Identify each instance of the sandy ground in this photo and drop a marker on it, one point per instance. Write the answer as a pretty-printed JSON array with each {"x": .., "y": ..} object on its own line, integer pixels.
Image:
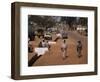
[{"x": 54, "y": 56}]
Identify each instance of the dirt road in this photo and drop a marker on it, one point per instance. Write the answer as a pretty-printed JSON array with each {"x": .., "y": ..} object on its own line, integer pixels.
[{"x": 54, "y": 57}]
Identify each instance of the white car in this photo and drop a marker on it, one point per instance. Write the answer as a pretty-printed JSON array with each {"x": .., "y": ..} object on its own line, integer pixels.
[{"x": 48, "y": 36}]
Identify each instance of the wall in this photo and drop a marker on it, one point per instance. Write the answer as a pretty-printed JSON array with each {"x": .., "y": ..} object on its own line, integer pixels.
[{"x": 5, "y": 39}]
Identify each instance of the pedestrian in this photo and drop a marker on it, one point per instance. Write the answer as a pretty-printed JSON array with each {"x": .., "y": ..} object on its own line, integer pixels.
[
  {"x": 64, "y": 49},
  {"x": 43, "y": 43},
  {"x": 79, "y": 48},
  {"x": 48, "y": 46},
  {"x": 40, "y": 44},
  {"x": 30, "y": 47}
]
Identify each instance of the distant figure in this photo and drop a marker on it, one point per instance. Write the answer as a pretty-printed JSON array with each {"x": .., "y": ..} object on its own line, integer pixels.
[
  {"x": 79, "y": 48},
  {"x": 48, "y": 45},
  {"x": 30, "y": 47},
  {"x": 64, "y": 49},
  {"x": 43, "y": 43},
  {"x": 40, "y": 44}
]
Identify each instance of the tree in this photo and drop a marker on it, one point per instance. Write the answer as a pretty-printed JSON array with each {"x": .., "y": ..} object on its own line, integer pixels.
[{"x": 42, "y": 21}]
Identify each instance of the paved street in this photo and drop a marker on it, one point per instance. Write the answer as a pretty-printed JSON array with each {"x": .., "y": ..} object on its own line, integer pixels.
[{"x": 54, "y": 56}]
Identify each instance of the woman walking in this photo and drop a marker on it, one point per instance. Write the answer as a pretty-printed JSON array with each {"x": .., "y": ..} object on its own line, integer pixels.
[
  {"x": 64, "y": 49},
  {"x": 79, "y": 49}
]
